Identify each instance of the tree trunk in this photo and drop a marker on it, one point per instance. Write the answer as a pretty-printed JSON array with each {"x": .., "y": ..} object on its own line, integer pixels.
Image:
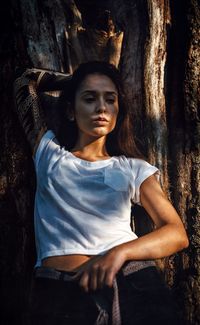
[
  {"x": 184, "y": 135},
  {"x": 156, "y": 46}
]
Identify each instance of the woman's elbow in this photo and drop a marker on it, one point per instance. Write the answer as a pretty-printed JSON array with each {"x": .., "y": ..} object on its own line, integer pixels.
[
  {"x": 182, "y": 239},
  {"x": 185, "y": 242}
]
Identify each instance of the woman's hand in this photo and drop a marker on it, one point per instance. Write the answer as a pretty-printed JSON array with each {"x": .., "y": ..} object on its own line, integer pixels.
[{"x": 100, "y": 271}]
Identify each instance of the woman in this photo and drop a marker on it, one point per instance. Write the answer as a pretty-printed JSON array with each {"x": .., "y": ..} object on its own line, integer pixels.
[{"x": 91, "y": 268}]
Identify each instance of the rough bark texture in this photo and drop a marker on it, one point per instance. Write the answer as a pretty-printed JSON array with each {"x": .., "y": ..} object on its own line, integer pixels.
[
  {"x": 182, "y": 93},
  {"x": 155, "y": 60},
  {"x": 156, "y": 45}
]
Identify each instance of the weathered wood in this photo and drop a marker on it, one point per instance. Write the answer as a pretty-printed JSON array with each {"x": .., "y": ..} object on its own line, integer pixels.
[
  {"x": 190, "y": 178},
  {"x": 154, "y": 78},
  {"x": 182, "y": 270},
  {"x": 131, "y": 18},
  {"x": 43, "y": 27},
  {"x": 92, "y": 43},
  {"x": 159, "y": 61}
]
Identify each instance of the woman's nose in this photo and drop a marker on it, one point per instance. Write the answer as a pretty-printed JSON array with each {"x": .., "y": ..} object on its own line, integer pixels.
[{"x": 101, "y": 106}]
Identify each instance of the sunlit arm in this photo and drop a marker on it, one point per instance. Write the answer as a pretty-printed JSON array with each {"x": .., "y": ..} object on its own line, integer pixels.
[{"x": 169, "y": 236}]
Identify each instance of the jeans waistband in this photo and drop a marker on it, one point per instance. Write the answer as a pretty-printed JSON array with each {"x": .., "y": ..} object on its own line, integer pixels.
[{"x": 51, "y": 273}]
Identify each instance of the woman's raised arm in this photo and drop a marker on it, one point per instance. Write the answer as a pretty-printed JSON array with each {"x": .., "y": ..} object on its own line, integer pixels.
[{"x": 28, "y": 105}]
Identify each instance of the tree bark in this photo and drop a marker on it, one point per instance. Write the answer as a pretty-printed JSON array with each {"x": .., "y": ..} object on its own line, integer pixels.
[
  {"x": 184, "y": 133},
  {"x": 156, "y": 46}
]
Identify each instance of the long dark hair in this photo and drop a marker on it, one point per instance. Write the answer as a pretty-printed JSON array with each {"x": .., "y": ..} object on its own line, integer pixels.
[{"x": 121, "y": 140}]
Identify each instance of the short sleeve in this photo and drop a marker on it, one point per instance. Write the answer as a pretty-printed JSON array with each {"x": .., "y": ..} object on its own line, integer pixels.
[{"x": 141, "y": 170}]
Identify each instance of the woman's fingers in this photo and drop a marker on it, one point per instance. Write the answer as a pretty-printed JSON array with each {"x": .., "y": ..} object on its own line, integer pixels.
[
  {"x": 101, "y": 278},
  {"x": 100, "y": 272},
  {"x": 93, "y": 278},
  {"x": 96, "y": 279},
  {"x": 84, "y": 280},
  {"x": 109, "y": 278}
]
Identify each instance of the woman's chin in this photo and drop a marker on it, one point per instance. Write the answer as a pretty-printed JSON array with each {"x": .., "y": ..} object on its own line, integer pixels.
[
  {"x": 101, "y": 131},
  {"x": 96, "y": 132}
]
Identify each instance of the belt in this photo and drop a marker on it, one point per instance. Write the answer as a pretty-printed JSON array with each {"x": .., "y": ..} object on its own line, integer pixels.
[{"x": 51, "y": 273}]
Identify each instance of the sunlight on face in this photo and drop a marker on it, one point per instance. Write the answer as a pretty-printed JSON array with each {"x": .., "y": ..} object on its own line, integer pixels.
[{"x": 96, "y": 106}]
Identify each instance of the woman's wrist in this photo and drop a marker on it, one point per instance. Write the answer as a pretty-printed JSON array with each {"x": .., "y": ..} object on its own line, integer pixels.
[
  {"x": 52, "y": 81},
  {"x": 46, "y": 80},
  {"x": 121, "y": 251}
]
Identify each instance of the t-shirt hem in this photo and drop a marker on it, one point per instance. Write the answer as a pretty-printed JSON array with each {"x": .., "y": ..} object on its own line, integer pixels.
[
  {"x": 73, "y": 251},
  {"x": 69, "y": 252}
]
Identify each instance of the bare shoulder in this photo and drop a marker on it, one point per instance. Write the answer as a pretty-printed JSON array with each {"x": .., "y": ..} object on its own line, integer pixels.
[
  {"x": 157, "y": 204},
  {"x": 151, "y": 184}
]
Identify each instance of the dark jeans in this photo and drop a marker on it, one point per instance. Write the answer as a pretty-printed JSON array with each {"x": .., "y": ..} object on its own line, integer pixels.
[
  {"x": 143, "y": 296},
  {"x": 149, "y": 299}
]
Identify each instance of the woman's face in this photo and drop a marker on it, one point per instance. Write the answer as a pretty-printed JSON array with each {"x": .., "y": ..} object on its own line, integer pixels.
[{"x": 96, "y": 106}]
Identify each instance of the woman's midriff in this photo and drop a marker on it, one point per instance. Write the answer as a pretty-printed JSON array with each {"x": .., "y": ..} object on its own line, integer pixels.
[{"x": 68, "y": 262}]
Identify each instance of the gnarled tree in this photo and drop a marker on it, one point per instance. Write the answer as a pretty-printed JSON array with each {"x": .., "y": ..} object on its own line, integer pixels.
[{"x": 156, "y": 46}]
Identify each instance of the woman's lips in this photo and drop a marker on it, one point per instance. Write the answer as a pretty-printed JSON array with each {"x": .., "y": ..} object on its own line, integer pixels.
[
  {"x": 103, "y": 119},
  {"x": 100, "y": 122}
]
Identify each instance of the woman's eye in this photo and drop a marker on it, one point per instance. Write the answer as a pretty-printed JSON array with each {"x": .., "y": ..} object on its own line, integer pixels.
[
  {"x": 110, "y": 100},
  {"x": 89, "y": 99}
]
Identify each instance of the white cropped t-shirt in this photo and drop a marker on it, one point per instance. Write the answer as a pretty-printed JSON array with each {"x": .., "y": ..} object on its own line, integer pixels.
[{"x": 83, "y": 207}]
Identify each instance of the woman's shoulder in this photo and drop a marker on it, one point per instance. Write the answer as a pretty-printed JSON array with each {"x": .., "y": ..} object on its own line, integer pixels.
[
  {"x": 131, "y": 161},
  {"x": 49, "y": 134},
  {"x": 47, "y": 146},
  {"x": 135, "y": 165},
  {"x": 46, "y": 137}
]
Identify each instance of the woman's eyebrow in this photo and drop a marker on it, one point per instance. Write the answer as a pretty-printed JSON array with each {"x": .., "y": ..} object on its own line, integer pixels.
[{"x": 94, "y": 92}]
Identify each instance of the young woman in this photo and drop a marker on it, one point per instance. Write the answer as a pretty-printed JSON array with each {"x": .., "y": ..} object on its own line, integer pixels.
[{"x": 91, "y": 267}]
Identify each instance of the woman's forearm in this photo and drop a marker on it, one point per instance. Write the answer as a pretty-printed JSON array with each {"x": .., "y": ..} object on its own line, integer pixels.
[
  {"x": 169, "y": 236},
  {"x": 162, "y": 242},
  {"x": 102, "y": 270},
  {"x": 46, "y": 80},
  {"x": 51, "y": 80},
  {"x": 28, "y": 106}
]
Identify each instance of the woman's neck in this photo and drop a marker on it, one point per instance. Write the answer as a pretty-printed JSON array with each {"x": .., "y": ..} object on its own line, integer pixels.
[{"x": 91, "y": 150}]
